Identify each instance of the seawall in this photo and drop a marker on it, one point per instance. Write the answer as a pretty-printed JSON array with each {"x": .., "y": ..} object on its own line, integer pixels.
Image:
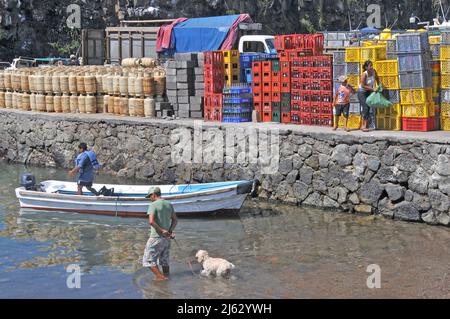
[{"x": 401, "y": 175}]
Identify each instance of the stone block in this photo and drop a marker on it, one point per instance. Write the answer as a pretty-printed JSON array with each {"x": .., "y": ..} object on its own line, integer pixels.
[
  {"x": 185, "y": 57},
  {"x": 183, "y": 107},
  {"x": 199, "y": 71},
  {"x": 196, "y": 114},
  {"x": 183, "y": 99},
  {"x": 189, "y": 71},
  {"x": 171, "y": 79},
  {"x": 171, "y": 93},
  {"x": 171, "y": 71},
  {"x": 200, "y": 86},
  {"x": 172, "y": 64},
  {"x": 186, "y": 64},
  {"x": 171, "y": 85},
  {"x": 185, "y": 78},
  {"x": 183, "y": 113}
]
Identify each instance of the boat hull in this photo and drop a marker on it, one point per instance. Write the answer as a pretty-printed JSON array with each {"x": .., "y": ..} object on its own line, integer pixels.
[{"x": 227, "y": 199}]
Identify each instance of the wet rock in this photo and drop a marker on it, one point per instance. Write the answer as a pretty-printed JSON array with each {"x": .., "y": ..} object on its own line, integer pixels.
[
  {"x": 442, "y": 166},
  {"x": 371, "y": 192},
  {"x": 313, "y": 200},
  {"x": 395, "y": 192},
  {"x": 363, "y": 209},
  {"x": 339, "y": 194},
  {"x": 439, "y": 201},
  {"x": 306, "y": 175},
  {"x": 330, "y": 203},
  {"x": 292, "y": 177},
  {"x": 301, "y": 191},
  {"x": 342, "y": 155},
  {"x": 406, "y": 211},
  {"x": 418, "y": 181}
]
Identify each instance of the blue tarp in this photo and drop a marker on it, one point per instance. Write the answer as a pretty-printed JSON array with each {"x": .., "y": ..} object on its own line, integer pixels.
[{"x": 202, "y": 34}]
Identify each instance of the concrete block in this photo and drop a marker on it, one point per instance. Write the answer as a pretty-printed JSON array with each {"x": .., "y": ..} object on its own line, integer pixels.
[
  {"x": 171, "y": 85},
  {"x": 186, "y": 64},
  {"x": 167, "y": 113},
  {"x": 171, "y": 79},
  {"x": 199, "y": 92},
  {"x": 199, "y": 85},
  {"x": 189, "y": 71},
  {"x": 172, "y": 64},
  {"x": 172, "y": 99},
  {"x": 185, "y": 78},
  {"x": 183, "y": 92},
  {"x": 160, "y": 99},
  {"x": 196, "y": 114},
  {"x": 171, "y": 71},
  {"x": 199, "y": 71},
  {"x": 185, "y": 56},
  {"x": 184, "y": 86},
  {"x": 184, "y": 114},
  {"x": 183, "y": 107},
  {"x": 199, "y": 78},
  {"x": 171, "y": 93},
  {"x": 183, "y": 99}
]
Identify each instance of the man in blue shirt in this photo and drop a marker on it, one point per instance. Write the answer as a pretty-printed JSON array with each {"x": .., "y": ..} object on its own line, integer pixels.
[{"x": 83, "y": 165}]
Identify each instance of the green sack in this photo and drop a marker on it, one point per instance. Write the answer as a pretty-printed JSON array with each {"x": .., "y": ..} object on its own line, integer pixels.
[{"x": 377, "y": 100}]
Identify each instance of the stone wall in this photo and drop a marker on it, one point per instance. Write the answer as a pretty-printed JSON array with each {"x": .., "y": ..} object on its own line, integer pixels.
[{"x": 401, "y": 176}]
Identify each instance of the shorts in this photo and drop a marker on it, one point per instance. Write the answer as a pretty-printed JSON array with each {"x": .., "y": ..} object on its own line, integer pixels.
[
  {"x": 365, "y": 109},
  {"x": 156, "y": 252},
  {"x": 343, "y": 109},
  {"x": 85, "y": 184}
]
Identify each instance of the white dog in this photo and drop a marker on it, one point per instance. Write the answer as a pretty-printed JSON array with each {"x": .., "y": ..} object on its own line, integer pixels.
[{"x": 213, "y": 266}]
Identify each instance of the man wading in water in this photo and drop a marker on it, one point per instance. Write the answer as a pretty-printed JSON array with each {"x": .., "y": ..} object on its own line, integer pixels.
[
  {"x": 163, "y": 221},
  {"x": 85, "y": 164}
]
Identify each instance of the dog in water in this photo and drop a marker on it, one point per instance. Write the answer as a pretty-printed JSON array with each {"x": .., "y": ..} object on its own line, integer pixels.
[{"x": 213, "y": 266}]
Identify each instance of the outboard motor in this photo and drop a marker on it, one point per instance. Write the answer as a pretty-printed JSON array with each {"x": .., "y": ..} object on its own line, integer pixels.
[{"x": 28, "y": 181}]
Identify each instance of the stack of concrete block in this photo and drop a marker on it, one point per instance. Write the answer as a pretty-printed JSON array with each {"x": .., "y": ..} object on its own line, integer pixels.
[{"x": 185, "y": 87}]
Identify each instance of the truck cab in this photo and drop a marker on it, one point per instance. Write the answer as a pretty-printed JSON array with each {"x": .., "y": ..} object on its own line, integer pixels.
[{"x": 257, "y": 44}]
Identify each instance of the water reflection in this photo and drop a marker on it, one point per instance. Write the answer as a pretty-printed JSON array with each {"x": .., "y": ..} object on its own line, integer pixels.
[{"x": 281, "y": 251}]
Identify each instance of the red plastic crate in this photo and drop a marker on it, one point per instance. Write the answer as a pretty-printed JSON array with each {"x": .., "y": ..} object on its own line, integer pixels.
[
  {"x": 284, "y": 56},
  {"x": 295, "y": 117},
  {"x": 257, "y": 87},
  {"x": 213, "y": 100},
  {"x": 266, "y": 116},
  {"x": 418, "y": 124},
  {"x": 276, "y": 76},
  {"x": 286, "y": 117},
  {"x": 276, "y": 87},
  {"x": 326, "y": 85},
  {"x": 315, "y": 108},
  {"x": 295, "y": 95},
  {"x": 305, "y": 84},
  {"x": 213, "y": 58},
  {"x": 305, "y": 119},
  {"x": 326, "y": 119},
  {"x": 267, "y": 66},
  {"x": 267, "y": 77},
  {"x": 305, "y": 106},
  {"x": 257, "y": 106},
  {"x": 267, "y": 86},
  {"x": 276, "y": 96},
  {"x": 213, "y": 114},
  {"x": 323, "y": 61},
  {"x": 315, "y": 85},
  {"x": 267, "y": 96},
  {"x": 257, "y": 97},
  {"x": 326, "y": 108},
  {"x": 326, "y": 96},
  {"x": 256, "y": 71},
  {"x": 285, "y": 87},
  {"x": 267, "y": 106}
]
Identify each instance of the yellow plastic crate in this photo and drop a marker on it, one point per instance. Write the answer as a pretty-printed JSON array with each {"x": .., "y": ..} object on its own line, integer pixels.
[
  {"x": 435, "y": 39},
  {"x": 390, "y": 82},
  {"x": 445, "y": 109},
  {"x": 231, "y": 56},
  {"x": 416, "y": 96},
  {"x": 368, "y": 43},
  {"x": 445, "y": 67},
  {"x": 390, "y": 123},
  {"x": 353, "y": 80},
  {"x": 373, "y": 53},
  {"x": 445, "y": 81},
  {"x": 418, "y": 110},
  {"x": 394, "y": 111},
  {"x": 354, "y": 122},
  {"x": 445, "y": 123},
  {"x": 387, "y": 67},
  {"x": 353, "y": 54},
  {"x": 445, "y": 52}
]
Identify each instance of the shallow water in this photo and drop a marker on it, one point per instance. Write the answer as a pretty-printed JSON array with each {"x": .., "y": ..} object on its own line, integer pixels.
[{"x": 280, "y": 252}]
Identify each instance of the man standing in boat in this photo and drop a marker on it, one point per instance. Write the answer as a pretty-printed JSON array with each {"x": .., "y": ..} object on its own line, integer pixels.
[
  {"x": 85, "y": 164},
  {"x": 163, "y": 220}
]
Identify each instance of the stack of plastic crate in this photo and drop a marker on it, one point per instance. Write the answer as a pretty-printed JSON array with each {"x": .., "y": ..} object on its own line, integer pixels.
[
  {"x": 246, "y": 60},
  {"x": 389, "y": 119},
  {"x": 312, "y": 90},
  {"x": 214, "y": 83},
  {"x": 445, "y": 82},
  {"x": 267, "y": 90},
  {"x": 232, "y": 69},
  {"x": 414, "y": 56},
  {"x": 237, "y": 103}
]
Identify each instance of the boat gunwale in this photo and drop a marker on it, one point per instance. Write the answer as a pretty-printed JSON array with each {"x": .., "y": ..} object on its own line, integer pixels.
[{"x": 23, "y": 192}]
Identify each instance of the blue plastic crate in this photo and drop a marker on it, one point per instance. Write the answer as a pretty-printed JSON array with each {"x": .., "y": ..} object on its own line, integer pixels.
[
  {"x": 236, "y": 110},
  {"x": 237, "y": 100},
  {"x": 247, "y": 59},
  {"x": 238, "y": 90},
  {"x": 236, "y": 119}
]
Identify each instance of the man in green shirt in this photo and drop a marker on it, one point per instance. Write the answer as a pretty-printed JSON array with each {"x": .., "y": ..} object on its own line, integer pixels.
[{"x": 163, "y": 220}]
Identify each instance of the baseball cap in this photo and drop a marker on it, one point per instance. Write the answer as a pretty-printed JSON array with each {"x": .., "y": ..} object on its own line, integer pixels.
[
  {"x": 342, "y": 78},
  {"x": 154, "y": 190}
]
